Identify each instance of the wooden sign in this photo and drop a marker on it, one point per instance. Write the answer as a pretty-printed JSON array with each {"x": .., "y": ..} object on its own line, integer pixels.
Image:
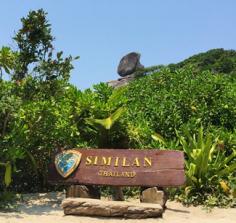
[{"x": 121, "y": 167}]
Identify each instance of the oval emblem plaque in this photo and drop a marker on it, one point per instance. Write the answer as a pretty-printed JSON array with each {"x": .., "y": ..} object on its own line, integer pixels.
[{"x": 67, "y": 161}]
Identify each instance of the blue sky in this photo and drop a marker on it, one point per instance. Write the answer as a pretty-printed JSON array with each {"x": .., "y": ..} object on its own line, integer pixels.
[{"x": 102, "y": 31}]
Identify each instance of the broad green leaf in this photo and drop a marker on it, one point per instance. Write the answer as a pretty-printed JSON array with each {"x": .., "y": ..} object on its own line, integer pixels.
[
  {"x": 229, "y": 158},
  {"x": 107, "y": 123},
  {"x": 116, "y": 115},
  {"x": 8, "y": 173},
  {"x": 226, "y": 171},
  {"x": 157, "y": 137}
]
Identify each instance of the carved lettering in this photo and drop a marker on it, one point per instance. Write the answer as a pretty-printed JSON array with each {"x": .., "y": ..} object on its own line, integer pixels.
[
  {"x": 95, "y": 161},
  {"x": 106, "y": 173},
  {"x": 116, "y": 161},
  {"x": 147, "y": 161},
  {"x": 120, "y": 167},
  {"x": 106, "y": 161},
  {"x": 124, "y": 162},
  {"x": 88, "y": 160},
  {"x": 136, "y": 162}
]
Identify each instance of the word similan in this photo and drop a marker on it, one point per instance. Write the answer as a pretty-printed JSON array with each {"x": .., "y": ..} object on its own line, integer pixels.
[{"x": 118, "y": 161}]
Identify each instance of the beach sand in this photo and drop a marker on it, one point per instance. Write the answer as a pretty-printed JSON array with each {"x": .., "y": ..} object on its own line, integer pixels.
[{"x": 45, "y": 208}]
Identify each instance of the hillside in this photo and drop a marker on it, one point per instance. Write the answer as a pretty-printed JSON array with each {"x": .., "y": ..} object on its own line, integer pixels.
[{"x": 215, "y": 60}]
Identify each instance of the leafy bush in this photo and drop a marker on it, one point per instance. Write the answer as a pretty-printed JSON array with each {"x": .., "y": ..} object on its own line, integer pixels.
[
  {"x": 169, "y": 100},
  {"x": 209, "y": 172},
  {"x": 35, "y": 113},
  {"x": 99, "y": 104},
  {"x": 215, "y": 60}
]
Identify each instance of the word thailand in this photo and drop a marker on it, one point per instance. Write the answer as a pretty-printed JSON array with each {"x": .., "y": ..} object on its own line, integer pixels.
[
  {"x": 118, "y": 161},
  {"x": 108, "y": 173}
]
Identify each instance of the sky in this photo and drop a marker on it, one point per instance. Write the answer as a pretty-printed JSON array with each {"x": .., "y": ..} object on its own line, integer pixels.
[{"x": 101, "y": 32}]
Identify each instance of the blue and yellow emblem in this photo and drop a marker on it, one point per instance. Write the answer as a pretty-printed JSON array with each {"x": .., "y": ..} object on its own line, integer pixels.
[{"x": 67, "y": 161}]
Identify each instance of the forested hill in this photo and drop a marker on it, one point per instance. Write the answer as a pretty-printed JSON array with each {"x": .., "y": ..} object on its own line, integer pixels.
[{"x": 215, "y": 60}]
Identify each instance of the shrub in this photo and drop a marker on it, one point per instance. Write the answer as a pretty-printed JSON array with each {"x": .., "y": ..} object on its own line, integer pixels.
[
  {"x": 209, "y": 172},
  {"x": 168, "y": 100}
]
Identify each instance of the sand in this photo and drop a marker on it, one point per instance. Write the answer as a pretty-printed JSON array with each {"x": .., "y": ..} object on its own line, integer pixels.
[{"x": 45, "y": 208}]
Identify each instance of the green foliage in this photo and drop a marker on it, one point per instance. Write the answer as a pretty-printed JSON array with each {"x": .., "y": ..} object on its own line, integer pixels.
[
  {"x": 33, "y": 123},
  {"x": 34, "y": 41},
  {"x": 41, "y": 113},
  {"x": 35, "y": 50},
  {"x": 9, "y": 153},
  {"x": 98, "y": 105},
  {"x": 8, "y": 173},
  {"x": 168, "y": 100},
  {"x": 33, "y": 129},
  {"x": 7, "y": 201},
  {"x": 215, "y": 60},
  {"x": 108, "y": 122},
  {"x": 129, "y": 192},
  {"x": 209, "y": 170},
  {"x": 104, "y": 128},
  {"x": 7, "y": 60},
  {"x": 43, "y": 120}
]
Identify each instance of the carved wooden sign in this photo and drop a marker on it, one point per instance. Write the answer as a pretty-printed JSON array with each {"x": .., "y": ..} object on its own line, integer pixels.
[{"x": 118, "y": 167}]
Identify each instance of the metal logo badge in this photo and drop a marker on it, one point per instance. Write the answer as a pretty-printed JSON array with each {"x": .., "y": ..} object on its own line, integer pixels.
[{"x": 67, "y": 161}]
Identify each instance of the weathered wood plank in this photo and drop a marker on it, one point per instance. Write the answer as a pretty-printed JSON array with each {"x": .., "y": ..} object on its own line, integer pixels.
[{"x": 120, "y": 167}]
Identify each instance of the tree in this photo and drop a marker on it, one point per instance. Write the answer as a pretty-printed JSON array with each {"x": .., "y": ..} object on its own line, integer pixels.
[
  {"x": 35, "y": 50},
  {"x": 36, "y": 95}
]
